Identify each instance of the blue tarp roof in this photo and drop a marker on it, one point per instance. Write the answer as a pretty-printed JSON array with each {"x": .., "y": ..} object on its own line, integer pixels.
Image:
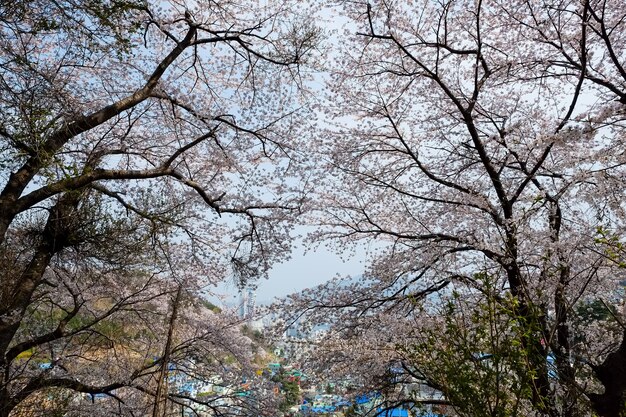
[
  {"x": 394, "y": 412},
  {"x": 323, "y": 409},
  {"x": 362, "y": 399}
]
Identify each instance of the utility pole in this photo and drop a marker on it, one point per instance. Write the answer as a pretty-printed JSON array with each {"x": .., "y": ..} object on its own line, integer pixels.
[{"x": 156, "y": 412}]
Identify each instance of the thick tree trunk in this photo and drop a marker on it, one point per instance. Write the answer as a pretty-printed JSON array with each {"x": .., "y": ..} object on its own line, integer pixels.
[
  {"x": 156, "y": 412},
  {"x": 55, "y": 237},
  {"x": 4, "y": 409},
  {"x": 528, "y": 319},
  {"x": 21, "y": 294},
  {"x": 612, "y": 375}
]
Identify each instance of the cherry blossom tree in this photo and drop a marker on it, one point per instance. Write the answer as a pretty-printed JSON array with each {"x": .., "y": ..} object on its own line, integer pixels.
[
  {"x": 144, "y": 148},
  {"x": 480, "y": 142}
]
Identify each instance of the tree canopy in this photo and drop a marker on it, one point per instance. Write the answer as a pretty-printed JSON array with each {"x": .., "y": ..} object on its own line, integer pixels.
[
  {"x": 145, "y": 148},
  {"x": 482, "y": 142},
  {"x": 150, "y": 150}
]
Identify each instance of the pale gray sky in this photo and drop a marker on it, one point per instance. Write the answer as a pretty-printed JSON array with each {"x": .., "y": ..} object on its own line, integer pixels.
[{"x": 305, "y": 271}]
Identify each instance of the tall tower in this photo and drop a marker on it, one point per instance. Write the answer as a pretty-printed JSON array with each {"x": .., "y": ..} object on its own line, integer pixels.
[
  {"x": 242, "y": 305},
  {"x": 250, "y": 303},
  {"x": 247, "y": 301}
]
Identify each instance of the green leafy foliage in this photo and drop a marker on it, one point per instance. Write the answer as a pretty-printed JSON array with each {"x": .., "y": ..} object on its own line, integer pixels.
[
  {"x": 289, "y": 388},
  {"x": 483, "y": 362}
]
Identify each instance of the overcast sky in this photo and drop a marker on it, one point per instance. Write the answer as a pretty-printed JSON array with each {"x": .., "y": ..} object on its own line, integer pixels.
[{"x": 304, "y": 270}]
